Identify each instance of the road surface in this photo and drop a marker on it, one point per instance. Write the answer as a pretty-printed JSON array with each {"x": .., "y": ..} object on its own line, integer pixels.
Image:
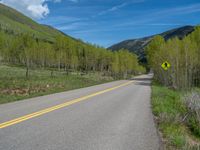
[{"x": 111, "y": 116}]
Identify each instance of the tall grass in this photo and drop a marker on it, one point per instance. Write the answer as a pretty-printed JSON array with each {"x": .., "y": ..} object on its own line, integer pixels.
[
  {"x": 15, "y": 86},
  {"x": 171, "y": 113},
  {"x": 192, "y": 101}
]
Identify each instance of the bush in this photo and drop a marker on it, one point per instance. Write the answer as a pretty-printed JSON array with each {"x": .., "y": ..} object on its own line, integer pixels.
[{"x": 192, "y": 101}]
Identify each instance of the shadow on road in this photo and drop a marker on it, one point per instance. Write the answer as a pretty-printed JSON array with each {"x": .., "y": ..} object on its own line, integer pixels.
[
  {"x": 143, "y": 83},
  {"x": 142, "y": 79}
]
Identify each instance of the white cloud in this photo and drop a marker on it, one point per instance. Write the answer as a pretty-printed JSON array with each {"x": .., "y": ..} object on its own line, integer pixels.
[
  {"x": 114, "y": 8},
  {"x": 74, "y": 26},
  {"x": 57, "y": 1},
  {"x": 75, "y": 1},
  {"x": 117, "y": 7},
  {"x": 36, "y": 9},
  {"x": 148, "y": 18}
]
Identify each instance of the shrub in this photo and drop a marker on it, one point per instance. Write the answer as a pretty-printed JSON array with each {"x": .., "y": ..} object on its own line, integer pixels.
[{"x": 192, "y": 101}]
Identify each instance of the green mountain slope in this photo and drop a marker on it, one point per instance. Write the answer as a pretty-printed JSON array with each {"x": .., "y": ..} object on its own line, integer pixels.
[
  {"x": 15, "y": 22},
  {"x": 138, "y": 45}
]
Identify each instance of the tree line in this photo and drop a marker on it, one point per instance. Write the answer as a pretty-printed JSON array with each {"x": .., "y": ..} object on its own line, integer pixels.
[
  {"x": 66, "y": 54},
  {"x": 183, "y": 56}
]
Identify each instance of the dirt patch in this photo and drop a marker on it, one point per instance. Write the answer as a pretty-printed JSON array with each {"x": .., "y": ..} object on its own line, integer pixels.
[{"x": 23, "y": 91}]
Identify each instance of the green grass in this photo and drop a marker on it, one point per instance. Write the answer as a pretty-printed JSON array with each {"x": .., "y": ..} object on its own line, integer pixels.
[
  {"x": 15, "y": 86},
  {"x": 169, "y": 110},
  {"x": 11, "y": 19},
  {"x": 166, "y": 101}
]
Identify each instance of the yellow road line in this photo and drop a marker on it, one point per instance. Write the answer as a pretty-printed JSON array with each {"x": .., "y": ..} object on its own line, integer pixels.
[{"x": 50, "y": 109}]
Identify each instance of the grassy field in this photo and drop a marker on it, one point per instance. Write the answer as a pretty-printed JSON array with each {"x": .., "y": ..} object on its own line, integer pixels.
[
  {"x": 13, "y": 20},
  {"x": 174, "y": 118},
  {"x": 15, "y": 86}
]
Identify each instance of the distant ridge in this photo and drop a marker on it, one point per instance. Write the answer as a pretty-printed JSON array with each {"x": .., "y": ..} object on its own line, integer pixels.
[{"x": 138, "y": 45}]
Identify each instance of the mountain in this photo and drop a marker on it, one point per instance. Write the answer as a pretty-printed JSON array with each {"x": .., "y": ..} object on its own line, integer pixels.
[
  {"x": 15, "y": 22},
  {"x": 138, "y": 45}
]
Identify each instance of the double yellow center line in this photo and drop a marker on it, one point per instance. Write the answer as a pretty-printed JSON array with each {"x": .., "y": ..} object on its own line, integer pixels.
[{"x": 50, "y": 109}]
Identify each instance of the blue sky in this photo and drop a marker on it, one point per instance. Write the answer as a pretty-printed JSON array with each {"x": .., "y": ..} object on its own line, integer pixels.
[{"x": 106, "y": 22}]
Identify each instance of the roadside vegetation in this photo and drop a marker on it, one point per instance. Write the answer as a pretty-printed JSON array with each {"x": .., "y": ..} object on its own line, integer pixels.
[
  {"x": 15, "y": 86},
  {"x": 182, "y": 54},
  {"x": 175, "y": 92},
  {"x": 36, "y": 67},
  {"x": 176, "y": 114},
  {"x": 66, "y": 54}
]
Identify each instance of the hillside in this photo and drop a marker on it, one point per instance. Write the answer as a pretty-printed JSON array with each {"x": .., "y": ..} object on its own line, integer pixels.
[
  {"x": 138, "y": 45},
  {"x": 25, "y": 42},
  {"x": 15, "y": 22}
]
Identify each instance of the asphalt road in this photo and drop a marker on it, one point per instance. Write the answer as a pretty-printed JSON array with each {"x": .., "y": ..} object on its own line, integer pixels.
[{"x": 111, "y": 116}]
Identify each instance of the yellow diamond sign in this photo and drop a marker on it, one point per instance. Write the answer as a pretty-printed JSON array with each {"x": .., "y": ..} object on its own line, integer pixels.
[{"x": 166, "y": 65}]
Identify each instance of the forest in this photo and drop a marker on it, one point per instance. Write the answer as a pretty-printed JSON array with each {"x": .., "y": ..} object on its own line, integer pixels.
[
  {"x": 66, "y": 54},
  {"x": 175, "y": 91},
  {"x": 184, "y": 57}
]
